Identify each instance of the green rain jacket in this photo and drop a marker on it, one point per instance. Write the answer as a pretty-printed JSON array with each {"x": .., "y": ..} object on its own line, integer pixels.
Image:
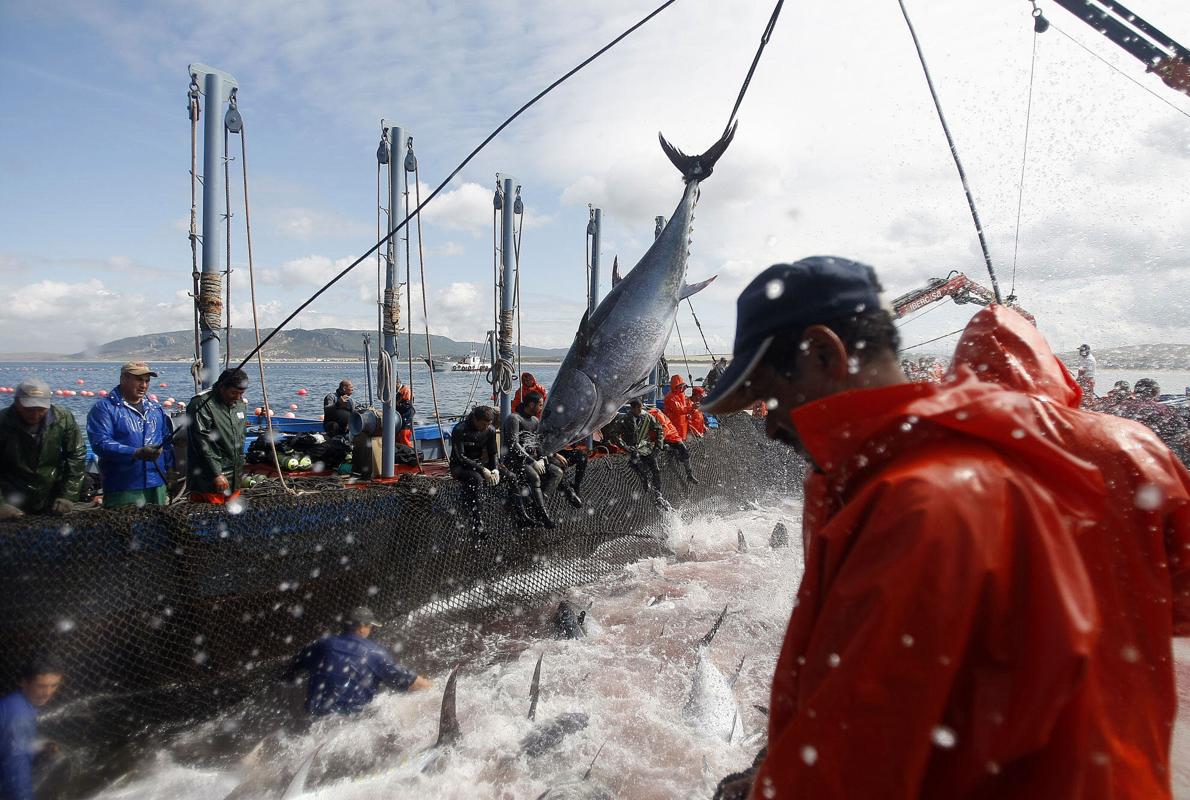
[
  {"x": 35, "y": 472},
  {"x": 644, "y": 433},
  {"x": 215, "y": 441}
]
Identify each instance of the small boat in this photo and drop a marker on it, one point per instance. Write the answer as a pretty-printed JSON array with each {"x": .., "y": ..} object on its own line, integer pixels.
[
  {"x": 439, "y": 364},
  {"x": 471, "y": 363}
]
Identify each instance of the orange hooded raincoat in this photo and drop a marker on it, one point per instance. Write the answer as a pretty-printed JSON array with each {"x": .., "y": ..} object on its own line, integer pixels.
[
  {"x": 986, "y": 610},
  {"x": 698, "y": 421},
  {"x": 671, "y": 432},
  {"x": 678, "y": 406},
  {"x": 529, "y": 384}
]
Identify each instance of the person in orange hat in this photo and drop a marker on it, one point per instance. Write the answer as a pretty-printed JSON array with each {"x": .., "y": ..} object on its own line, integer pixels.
[
  {"x": 404, "y": 407},
  {"x": 529, "y": 384},
  {"x": 698, "y": 422},
  {"x": 677, "y": 406}
]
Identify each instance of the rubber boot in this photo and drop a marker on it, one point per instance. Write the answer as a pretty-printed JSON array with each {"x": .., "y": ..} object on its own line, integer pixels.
[
  {"x": 520, "y": 514},
  {"x": 690, "y": 476},
  {"x": 571, "y": 496},
  {"x": 537, "y": 499},
  {"x": 660, "y": 501}
]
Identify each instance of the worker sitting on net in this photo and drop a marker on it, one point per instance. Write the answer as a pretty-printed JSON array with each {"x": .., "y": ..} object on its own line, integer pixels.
[
  {"x": 336, "y": 410},
  {"x": 673, "y": 442},
  {"x": 346, "y": 670},
  {"x": 41, "y": 454},
  {"x": 642, "y": 437},
  {"x": 534, "y": 475},
  {"x": 404, "y": 407},
  {"x": 473, "y": 458}
]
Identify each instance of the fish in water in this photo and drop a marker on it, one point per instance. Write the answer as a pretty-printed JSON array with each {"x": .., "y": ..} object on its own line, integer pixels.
[
  {"x": 435, "y": 759},
  {"x": 579, "y": 788},
  {"x": 741, "y": 545},
  {"x": 547, "y": 736},
  {"x": 569, "y": 621},
  {"x": 269, "y": 777},
  {"x": 618, "y": 344},
  {"x": 711, "y": 706},
  {"x": 779, "y": 537}
]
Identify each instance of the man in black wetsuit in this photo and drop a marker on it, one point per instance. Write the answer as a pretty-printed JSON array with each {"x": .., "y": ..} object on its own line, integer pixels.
[
  {"x": 534, "y": 474},
  {"x": 473, "y": 456},
  {"x": 643, "y": 437},
  {"x": 336, "y": 409}
]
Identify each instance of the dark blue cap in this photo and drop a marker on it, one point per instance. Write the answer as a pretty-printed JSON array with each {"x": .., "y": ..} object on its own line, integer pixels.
[{"x": 789, "y": 297}]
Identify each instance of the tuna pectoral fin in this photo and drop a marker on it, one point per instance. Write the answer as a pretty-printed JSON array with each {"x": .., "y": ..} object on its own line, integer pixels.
[
  {"x": 535, "y": 688},
  {"x": 297, "y": 784},
  {"x": 448, "y": 719},
  {"x": 694, "y": 288},
  {"x": 695, "y": 168}
]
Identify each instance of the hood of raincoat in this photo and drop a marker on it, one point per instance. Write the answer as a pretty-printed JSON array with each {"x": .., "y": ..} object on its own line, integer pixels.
[
  {"x": 527, "y": 380},
  {"x": 676, "y": 382},
  {"x": 671, "y": 433}
]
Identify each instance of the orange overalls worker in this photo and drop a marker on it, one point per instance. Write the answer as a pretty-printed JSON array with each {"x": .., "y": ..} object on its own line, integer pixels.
[
  {"x": 698, "y": 422},
  {"x": 677, "y": 406},
  {"x": 673, "y": 441},
  {"x": 529, "y": 384},
  {"x": 404, "y": 406}
]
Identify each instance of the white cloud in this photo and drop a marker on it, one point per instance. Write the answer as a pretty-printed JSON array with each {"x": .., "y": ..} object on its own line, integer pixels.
[{"x": 465, "y": 208}]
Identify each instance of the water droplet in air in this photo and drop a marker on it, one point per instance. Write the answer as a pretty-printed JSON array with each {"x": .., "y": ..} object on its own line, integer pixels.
[
  {"x": 774, "y": 288},
  {"x": 1018, "y": 433},
  {"x": 1130, "y": 654},
  {"x": 834, "y": 659},
  {"x": 65, "y": 625},
  {"x": 943, "y": 736},
  {"x": 907, "y": 640},
  {"x": 809, "y": 755},
  {"x": 1148, "y": 497}
]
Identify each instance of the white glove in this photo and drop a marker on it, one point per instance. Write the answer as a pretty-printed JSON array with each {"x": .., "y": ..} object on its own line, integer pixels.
[
  {"x": 493, "y": 477},
  {"x": 539, "y": 466}
]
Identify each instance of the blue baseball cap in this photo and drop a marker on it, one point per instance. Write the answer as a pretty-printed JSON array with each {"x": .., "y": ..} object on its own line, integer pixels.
[{"x": 789, "y": 297}]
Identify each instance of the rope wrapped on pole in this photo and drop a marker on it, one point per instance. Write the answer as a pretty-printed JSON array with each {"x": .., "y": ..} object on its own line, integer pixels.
[
  {"x": 210, "y": 300},
  {"x": 392, "y": 311},
  {"x": 501, "y": 373}
]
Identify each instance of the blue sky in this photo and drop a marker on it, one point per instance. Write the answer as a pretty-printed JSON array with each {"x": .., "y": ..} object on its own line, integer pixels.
[{"x": 839, "y": 151}]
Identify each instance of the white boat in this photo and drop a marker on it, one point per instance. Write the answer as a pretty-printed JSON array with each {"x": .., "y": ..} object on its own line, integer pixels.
[{"x": 471, "y": 363}]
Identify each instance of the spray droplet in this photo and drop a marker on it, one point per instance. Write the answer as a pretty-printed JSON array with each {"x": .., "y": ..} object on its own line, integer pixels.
[
  {"x": 809, "y": 755},
  {"x": 943, "y": 736},
  {"x": 1148, "y": 497},
  {"x": 774, "y": 288}
]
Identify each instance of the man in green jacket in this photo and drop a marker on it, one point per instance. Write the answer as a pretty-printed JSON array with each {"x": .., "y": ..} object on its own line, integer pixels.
[
  {"x": 215, "y": 439},
  {"x": 41, "y": 454},
  {"x": 643, "y": 437}
]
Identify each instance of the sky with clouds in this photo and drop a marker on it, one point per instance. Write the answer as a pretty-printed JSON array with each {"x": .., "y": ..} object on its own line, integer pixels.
[{"x": 838, "y": 152}]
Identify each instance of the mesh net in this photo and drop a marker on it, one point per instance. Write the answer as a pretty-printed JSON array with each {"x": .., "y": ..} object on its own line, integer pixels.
[{"x": 162, "y": 616}]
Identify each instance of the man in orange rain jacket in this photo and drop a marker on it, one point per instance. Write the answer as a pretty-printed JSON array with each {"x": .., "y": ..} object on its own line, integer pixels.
[
  {"x": 529, "y": 384},
  {"x": 977, "y": 618},
  {"x": 677, "y": 406},
  {"x": 698, "y": 422},
  {"x": 674, "y": 443}
]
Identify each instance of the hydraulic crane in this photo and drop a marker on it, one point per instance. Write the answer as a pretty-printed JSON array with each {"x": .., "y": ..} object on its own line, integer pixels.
[
  {"x": 1137, "y": 37},
  {"x": 957, "y": 287}
]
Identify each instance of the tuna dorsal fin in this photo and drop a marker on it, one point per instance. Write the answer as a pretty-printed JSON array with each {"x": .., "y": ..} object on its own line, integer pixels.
[
  {"x": 691, "y": 289},
  {"x": 616, "y": 277},
  {"x": 706, "y": 640},
  {"x": 738, "y": 668},
  {"x": 587, "y": 774},
  {"x": 448, "y": 719},
  {"x": 741, "y": 544},
  {"x": 535, "y": 688},
  {"x": 697, "y": 168}
]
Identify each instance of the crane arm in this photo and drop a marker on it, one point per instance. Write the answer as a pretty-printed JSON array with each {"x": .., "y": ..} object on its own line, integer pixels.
[
  {"x": 1137, "y": 37},
  {"x": 957, "y": 287}
]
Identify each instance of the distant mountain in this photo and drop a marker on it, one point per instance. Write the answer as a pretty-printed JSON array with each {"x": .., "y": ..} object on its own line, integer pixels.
[
  {"x": 307, "y": 345},
  {"x": 1138, "y": 356}
]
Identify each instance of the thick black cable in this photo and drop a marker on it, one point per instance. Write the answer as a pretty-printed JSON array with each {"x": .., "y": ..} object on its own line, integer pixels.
[
  {"x": 764, "y": 40},
  {"x": 928, "y": 341},
  {"x": 457, "y": 170},
  {"x": 954, "y": 152}
]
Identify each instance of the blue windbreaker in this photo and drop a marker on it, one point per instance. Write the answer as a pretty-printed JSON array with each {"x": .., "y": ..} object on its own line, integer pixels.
[
  {"x": 116, "y": 430},
  {"x": 18, "y": 734},
  {"x": 345, "y": 672}
]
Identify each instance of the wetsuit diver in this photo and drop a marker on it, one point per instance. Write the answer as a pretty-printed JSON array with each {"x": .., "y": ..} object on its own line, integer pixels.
[
  {"x": 346, "y": 670},
  {"x": 534, "y": 474},
  {"x": 473, "y": 456},
  {"x": 642, "y": 436}
]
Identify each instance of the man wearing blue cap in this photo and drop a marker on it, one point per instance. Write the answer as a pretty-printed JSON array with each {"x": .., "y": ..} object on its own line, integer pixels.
[{"x": 945, "y": 638}]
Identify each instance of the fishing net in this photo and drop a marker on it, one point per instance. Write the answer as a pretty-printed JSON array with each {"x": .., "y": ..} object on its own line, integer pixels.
[{"x": 162, "y": 616}]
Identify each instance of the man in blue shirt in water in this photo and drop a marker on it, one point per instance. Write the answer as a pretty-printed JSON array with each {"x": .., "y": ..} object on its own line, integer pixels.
[
  {"x": 346, "y": 670},
  {"x": 38, "y": 681}
]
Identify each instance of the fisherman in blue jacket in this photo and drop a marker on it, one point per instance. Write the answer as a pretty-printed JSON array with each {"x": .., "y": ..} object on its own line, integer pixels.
[
  {"x": 38, "y": 681},
  {"x": 346, "y": 670},
  {"x": 133, "y": 439}
]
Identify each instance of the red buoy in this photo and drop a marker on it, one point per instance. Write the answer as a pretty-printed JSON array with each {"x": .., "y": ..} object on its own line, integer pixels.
[
  {"x": 103, "y": 392},
  {"x": 80, "y": 381}
]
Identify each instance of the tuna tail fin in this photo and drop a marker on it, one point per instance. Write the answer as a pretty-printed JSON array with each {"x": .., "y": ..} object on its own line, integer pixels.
[
  {"x": 616, "y": 278},
  {"x": 448, "y": 719},
  {"x": 535, "y": 689},
  {"x": 697, "y": 168},
  {"x": 706, "y": 640},
  {"x": 694, "y": 288}
]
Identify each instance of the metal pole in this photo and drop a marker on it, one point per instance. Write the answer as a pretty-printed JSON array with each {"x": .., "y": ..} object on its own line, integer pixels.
[
  {"x": 595, "y": 236},
  {"x": 388, "y": 393},
  {"x": 507, "y": 279},
  {"x": 217, "y": 86}
]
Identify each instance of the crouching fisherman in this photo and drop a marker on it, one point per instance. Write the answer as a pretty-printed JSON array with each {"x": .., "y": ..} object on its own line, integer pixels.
[
  {"x": 215, "y": 439},
  {"x": 673, "y": 442},
  {"x": 534, "y": 475},
  {"x": 345, "y": 671},
  {"x": 473, "y": 454},
  {"x": 642, "y": 436},
  {"x": 41, "y": 454},
  {"x": 21, "y": 753},
  {"x": 133, "y": 439}
]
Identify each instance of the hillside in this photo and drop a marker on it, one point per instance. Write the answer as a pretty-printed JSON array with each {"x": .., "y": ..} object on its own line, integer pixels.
[{"x": 319, "y": 344}]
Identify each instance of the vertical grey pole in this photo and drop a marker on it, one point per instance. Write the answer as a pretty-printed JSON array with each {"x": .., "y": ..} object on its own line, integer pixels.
[
  {"x": 655, "y": 390},
  {"x": 595, "y": 237},
  {"x": 214, "y": 234},
  {"x": 508, "y": 261},
  {"x": 392, "y": 278}
]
